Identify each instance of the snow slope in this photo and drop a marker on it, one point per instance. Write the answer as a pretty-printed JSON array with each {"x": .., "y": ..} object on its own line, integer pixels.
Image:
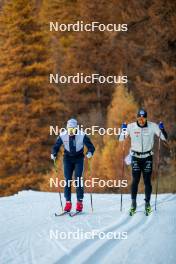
[{"x": 27, "y": 221}]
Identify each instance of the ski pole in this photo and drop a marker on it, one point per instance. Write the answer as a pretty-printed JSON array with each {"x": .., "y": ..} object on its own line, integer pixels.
[
  {"x": 122, "y": 174},
  {"x": 60, "y": 198},
  {"x": 89, "y": 169},
  {"x": 158, "y": 165}
]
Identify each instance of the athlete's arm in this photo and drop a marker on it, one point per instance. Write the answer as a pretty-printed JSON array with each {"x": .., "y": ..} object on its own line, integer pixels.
[
  {"x": 160, "y": 132},
  {"x": 124, "y": 133},
  {"x": 57, "y": 146},
  {"x": 87, "y": 142}
]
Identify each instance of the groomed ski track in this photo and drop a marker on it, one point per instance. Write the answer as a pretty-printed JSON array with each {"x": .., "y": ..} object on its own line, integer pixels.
[{"x": 27, "y": 220}]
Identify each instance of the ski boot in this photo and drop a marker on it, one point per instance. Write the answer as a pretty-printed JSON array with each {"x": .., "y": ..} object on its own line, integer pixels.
[
  {"x": 79, "y": 206},
  {"x": 133, "y": 207},
  {"x": 68, "y": 206},
  {"x": 148, "y": 208}
]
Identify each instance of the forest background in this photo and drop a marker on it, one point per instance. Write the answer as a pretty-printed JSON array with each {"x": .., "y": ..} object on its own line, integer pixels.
[{"x": 29, "y": 104}]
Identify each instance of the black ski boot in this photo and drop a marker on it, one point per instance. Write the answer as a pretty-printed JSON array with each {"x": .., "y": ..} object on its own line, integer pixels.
[
  {"x": 148, "y": 208},
  {"x": 133, "y": 207}
]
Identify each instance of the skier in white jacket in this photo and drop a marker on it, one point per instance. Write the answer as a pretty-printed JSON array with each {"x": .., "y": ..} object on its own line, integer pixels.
[{"x": 142, "y": 134}]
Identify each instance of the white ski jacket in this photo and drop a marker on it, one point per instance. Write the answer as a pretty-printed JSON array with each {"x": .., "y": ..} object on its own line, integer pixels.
[{"x": 142, "y": 138}]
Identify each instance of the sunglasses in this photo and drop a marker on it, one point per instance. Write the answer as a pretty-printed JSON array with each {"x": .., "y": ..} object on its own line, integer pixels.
[{"x": 141, "y": 118}]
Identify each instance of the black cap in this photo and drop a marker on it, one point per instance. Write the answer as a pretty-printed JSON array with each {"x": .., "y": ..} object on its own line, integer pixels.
[{"x": 142, "y": 113}]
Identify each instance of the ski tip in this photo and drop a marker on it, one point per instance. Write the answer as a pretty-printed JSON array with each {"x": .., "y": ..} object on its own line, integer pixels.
[{"x": 63, "y": 213}]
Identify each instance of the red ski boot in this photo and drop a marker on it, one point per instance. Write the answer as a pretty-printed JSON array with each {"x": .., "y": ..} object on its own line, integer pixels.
[
  {"x": 79, "y": 206},
  {"x": 68, "y": 206}
]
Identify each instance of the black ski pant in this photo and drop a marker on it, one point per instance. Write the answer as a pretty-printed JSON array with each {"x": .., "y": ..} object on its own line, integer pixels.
[
  {"x": 75, "y": 165},
  {"x": 144, "y": 166}
]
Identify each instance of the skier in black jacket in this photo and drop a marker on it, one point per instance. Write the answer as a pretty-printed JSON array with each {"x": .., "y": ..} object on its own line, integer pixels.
[{"x": 73, "y": 141}]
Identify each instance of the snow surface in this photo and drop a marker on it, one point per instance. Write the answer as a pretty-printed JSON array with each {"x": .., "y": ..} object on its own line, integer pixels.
[{"x": 27, "y": 221}]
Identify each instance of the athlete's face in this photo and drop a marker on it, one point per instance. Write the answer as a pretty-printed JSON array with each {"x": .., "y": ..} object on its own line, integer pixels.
[{"x": 141, "y": 120}]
